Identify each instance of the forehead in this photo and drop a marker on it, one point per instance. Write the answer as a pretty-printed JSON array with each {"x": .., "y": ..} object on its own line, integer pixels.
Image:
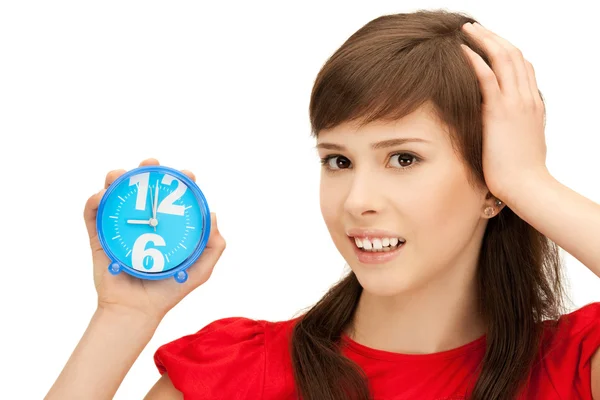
[{"x": 421, "y": 124}]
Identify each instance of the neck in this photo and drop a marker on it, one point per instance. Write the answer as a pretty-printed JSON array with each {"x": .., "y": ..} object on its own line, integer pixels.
[{"x": 440, "y": 316}]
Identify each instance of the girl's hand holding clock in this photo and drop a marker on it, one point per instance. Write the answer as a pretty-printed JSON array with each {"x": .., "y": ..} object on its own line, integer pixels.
[
  {"x": 141, "y": 271},
  {"x": 131, "y": 296}
]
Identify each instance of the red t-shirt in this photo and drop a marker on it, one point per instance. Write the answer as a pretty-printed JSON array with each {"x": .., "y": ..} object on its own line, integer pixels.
[{"x": 240, "y": 358}]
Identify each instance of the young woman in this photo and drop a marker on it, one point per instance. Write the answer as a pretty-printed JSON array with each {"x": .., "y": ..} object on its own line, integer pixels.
[{"x": 435, "y": 191}]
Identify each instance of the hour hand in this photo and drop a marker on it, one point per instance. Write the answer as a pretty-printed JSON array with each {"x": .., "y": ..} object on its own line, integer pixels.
[{"x": 139, "y": 221}]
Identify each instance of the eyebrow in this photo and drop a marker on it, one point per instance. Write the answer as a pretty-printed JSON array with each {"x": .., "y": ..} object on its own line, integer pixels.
[{"x": 375, "y": 146}]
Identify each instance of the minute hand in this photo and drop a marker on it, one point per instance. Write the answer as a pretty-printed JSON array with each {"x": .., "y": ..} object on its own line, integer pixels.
[{"x": 155, "y": 201}]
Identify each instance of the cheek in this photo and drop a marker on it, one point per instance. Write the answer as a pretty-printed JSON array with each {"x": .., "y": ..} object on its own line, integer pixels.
[
  {"x": 330, "y": 201},
  {"x": 445, "y": 213},
  {"x": 332, "y": 210}
]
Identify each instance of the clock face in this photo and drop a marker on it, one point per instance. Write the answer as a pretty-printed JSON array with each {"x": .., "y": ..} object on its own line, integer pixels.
[{"x": 151, "y": 221}]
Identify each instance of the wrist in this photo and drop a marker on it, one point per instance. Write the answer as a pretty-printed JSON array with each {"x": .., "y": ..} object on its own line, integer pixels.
[
  {"x": 524, "y": 184},
  {"x": 119, "y": 315}
]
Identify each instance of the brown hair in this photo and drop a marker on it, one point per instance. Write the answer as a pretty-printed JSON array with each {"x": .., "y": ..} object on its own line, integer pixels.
[{"x": 387, "y": 69}]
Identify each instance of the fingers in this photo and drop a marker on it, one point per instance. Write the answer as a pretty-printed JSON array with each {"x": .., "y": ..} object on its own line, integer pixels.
[
  {"x": 509, "y": 65},
  {"x": 521, "y": 77},
  {"x": 90, "y": 211},
  {"x": 154, "y": 161},
  {"x": 189, "y": 174},
  {"x": 149, "y": 161},
  {"x": 488, "y": 83},
  {"x": 533, "y": 86},
  {"x": 500, "y": 58},
  {"x": 203, "y": 267},
  {"x": 112, "y": 176}
]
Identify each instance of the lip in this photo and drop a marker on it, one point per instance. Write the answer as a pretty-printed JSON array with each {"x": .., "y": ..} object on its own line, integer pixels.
[
  {"x": 368, "y": 233},
  {"x": 375, "y": 257}
]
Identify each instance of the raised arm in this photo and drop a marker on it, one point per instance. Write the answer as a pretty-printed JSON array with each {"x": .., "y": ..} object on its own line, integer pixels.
[
  {"x": 104, "y": 355},
  {"x": 128, "y": 313}
]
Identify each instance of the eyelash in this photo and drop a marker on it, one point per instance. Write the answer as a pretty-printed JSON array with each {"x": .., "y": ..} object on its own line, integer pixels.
[{"x": 325, "y": 161}]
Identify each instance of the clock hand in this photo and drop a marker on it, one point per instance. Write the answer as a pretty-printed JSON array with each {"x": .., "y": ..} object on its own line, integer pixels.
[
  {"x": 151, "y": 201},
  {"x": 155, "y": 201},
  {"x": 155, "y": 205},
  {"x": 153, "y": 222}
]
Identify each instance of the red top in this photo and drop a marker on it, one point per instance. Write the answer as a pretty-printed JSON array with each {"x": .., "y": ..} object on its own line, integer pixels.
[{"x": 240, "y": 358}]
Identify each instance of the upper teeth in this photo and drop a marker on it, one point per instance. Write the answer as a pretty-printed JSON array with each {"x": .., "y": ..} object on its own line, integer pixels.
[{"x": 376, "y": 243}]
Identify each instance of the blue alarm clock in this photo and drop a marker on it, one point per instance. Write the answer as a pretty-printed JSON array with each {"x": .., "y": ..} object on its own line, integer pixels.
[{"x": 153, "y": 223}]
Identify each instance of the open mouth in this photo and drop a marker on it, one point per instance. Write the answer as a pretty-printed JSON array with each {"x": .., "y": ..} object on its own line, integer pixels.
[{"x": 376, "y": 245}]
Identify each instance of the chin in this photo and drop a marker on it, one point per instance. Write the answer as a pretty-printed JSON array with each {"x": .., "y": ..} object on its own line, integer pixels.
[{"x": 384, "y": 281}]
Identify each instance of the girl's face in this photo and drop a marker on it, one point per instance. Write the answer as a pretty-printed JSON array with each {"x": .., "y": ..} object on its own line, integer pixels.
[{"x": 402, "y": 179}]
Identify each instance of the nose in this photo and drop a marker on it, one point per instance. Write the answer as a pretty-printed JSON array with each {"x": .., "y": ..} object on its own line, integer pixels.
[{"x": 365, "y": 195}]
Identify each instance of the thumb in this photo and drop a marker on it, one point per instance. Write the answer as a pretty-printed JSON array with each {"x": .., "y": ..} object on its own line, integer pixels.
[
  {"x": 202, "y": 269},
  {"x": 90, "y": 213}
]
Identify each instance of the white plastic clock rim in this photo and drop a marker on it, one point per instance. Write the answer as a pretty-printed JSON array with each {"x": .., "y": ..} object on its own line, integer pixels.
[{"x": 179, "y": 272}]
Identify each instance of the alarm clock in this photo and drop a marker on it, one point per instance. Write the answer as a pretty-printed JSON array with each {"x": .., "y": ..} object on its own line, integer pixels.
[{"x": 153, "y": 223}]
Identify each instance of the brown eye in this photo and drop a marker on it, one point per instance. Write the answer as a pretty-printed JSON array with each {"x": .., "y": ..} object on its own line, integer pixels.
[
  {"x": 337, "y": 162},
  {"x": 403, "y": 160}
]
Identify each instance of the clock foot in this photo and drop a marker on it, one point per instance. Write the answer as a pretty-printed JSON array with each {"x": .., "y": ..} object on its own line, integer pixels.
[
  {"x": 114, "y": 268},
  {"x": 181, "y": 276}
]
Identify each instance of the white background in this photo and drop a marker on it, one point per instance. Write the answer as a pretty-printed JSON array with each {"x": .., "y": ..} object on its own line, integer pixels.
[{"x": 221, "y": 88}]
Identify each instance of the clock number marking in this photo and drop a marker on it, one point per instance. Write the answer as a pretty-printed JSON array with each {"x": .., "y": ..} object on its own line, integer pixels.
[
  {"x": 167, "y": 205},
  {"x": 142, "y": 195},
  {"x": 140, "y": 252}
]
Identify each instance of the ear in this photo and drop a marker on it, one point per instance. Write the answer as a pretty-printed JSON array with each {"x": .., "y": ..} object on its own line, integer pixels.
[{"x": 494, "y": 202}]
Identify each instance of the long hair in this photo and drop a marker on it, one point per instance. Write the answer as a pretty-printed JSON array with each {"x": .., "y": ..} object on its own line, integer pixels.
[{"x": 384, "y": 71}]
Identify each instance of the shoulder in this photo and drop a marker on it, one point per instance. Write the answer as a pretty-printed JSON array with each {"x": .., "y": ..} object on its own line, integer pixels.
[
  {"x": 227, "y": 354},
  {"x": 567, "y": 348},
  {"x": 576, "y": 333}
]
